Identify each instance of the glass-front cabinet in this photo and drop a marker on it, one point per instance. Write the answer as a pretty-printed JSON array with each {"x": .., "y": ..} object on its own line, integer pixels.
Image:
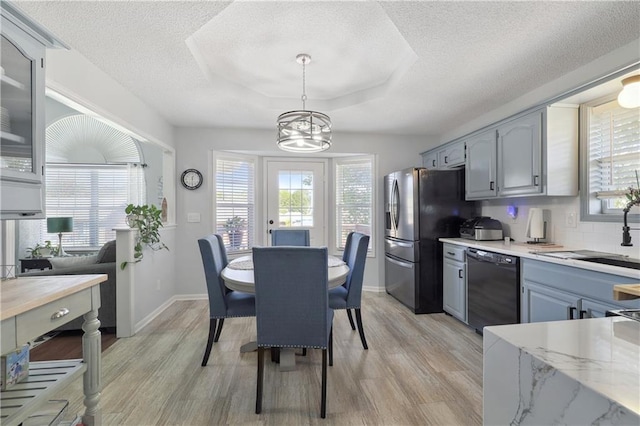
[
  {"x": 18, "y": 74},
  {"x": 22, "y": 125}
]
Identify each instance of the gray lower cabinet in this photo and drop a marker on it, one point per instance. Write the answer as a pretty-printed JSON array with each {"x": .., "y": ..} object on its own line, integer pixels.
[
  {"x": 454, "y": 281},
  {"x": 553, "y": 292}
]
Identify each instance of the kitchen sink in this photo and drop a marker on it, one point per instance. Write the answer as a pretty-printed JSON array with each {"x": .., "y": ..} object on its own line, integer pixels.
[
  {"x": 595, "y": 257},
  {"x": 615, "y": 261}
]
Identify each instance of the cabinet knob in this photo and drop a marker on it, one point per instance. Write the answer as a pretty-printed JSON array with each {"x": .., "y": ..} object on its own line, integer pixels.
[
  {"x": 535, "y": 180},
  {"x": 491, "y": 185},
  {"x": 433, "y": 163},
  {"x": 59, "y": 314},
  {"x": 459, "y": 273},
  {"x": 446, "y": 159}
]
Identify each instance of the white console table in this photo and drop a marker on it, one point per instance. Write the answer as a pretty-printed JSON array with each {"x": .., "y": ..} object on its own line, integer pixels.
[{"x": 32, "y": 306}]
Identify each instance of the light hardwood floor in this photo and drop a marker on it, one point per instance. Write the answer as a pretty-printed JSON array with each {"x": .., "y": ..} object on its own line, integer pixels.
[{"x": 419, "y": 370}]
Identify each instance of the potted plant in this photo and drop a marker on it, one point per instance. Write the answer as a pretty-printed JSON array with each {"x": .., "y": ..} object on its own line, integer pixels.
[
  {"x": 234, "y": 227},
  {"x": 35, "y": 251},
  {"x": 147, "y": 220}
]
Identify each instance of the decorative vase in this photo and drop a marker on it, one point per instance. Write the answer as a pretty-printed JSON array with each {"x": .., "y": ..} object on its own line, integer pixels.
[{"x": 235, "y": 238}]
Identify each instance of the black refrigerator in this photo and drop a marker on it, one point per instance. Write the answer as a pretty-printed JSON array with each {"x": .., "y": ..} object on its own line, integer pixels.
[{"x": 421, "y": 206}]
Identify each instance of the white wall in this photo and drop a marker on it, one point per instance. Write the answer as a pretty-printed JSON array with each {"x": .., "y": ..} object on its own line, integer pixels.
[
  {"x": 194, "y": 151},
  {"x": 91, "y": 90}
]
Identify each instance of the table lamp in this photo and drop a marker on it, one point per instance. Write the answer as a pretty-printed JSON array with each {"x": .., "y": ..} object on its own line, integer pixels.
[{"x": 59, "y": 225}]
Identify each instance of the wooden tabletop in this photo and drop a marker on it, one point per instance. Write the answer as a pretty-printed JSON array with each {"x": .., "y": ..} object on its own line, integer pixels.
[
  {"x": 626, "y": 291},
  {"x": 22, "y": 294}
]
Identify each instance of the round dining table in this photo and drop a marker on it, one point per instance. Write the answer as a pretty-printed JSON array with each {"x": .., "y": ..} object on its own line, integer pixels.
[{"x": 238, "y": 275}]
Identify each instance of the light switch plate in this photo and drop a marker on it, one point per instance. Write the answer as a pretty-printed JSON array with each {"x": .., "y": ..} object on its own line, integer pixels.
[
  {"x": 570, "y": 219},
  {"x": 193, "y": 217}
]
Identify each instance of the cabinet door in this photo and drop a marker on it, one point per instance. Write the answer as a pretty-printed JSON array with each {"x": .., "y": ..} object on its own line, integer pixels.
[
  {"x": 430, "y": 160},
  {"x": 541, "y": 303},
  {"x": 454, "y": 292},
  {"x": 592, "y": 309},
  {"x": 480, "y": 173},
  {"x": 519, "y": 156},
  {"x": 451, "y": 156},
  {"x": 21, "y": 79},
  {"x": 22, "y": 127}
]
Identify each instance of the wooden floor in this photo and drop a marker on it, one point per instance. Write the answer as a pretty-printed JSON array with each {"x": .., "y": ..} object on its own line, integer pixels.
[{"x": 419, "y": 370}]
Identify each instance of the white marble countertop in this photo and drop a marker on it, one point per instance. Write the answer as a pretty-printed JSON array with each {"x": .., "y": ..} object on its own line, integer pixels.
[
  {"x": 530, "y": 251},
  {"x": 601, "y": 354}
]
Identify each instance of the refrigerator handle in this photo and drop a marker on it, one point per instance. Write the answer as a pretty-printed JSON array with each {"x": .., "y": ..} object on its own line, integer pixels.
[
  {"x": 396, "y": 205},
  {"x": 399, "y": 263}
]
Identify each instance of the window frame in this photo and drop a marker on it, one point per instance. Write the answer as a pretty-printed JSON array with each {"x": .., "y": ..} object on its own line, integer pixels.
[
  {"x": 337, "y": 162},
  {"x": 587, "y": 199},
  {"x": 251, "y": 229}
]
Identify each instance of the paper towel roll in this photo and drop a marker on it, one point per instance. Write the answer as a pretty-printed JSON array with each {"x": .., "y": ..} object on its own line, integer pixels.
[{"x": 535, "y": 224}]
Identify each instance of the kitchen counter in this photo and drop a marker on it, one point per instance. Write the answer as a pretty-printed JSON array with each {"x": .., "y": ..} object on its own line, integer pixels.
[
  {"x": 532, "y": 251},
  {"x": 562, "y": 372}
]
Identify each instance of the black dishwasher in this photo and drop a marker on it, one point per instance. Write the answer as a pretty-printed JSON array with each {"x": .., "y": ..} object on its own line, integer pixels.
[{"x": 493, "y": 285}]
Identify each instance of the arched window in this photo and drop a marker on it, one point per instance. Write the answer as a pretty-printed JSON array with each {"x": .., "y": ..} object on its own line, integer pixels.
[{"x": 92, "y": 172}]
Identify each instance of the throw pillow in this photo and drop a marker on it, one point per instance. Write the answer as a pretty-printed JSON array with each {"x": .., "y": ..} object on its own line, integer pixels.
[
  {"x": 71, "y": 261},
  {"x": 107, "y": 253}
]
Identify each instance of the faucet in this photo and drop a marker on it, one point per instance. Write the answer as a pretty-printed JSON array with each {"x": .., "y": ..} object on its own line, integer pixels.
[{"x": 626, "y": 235}]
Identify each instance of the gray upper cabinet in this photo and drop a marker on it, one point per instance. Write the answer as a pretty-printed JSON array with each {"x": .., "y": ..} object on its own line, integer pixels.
[
  {"x": 451, "y": 155},
  {"x": 22, "y": 154},
  {"x": 480, "y": 173},
  {"x": 448, "y": 156},
  {"x": 534, "y": 154},
  {"x": 430, "y": 160},
  {"x": 519, "y": 156}
]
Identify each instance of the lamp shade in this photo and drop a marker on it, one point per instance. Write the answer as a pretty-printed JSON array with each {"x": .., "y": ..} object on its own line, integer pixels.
[
  {"x": 59, "y": 224},
  {"x": 630, "y": 95}
]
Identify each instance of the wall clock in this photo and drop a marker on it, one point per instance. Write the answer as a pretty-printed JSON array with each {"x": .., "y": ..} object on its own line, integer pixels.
[{"x": 191, "y": 179}]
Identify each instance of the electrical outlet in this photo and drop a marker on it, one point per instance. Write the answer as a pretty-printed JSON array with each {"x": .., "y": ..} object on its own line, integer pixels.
[
  {"x": 193, "y": 217},
  {"x": 570, "y": 219}
]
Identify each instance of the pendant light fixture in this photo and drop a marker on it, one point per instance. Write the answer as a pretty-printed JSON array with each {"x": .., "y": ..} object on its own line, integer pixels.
[
  {"x": 304, "y": 131},
  {"x": 630, "y": 95}
]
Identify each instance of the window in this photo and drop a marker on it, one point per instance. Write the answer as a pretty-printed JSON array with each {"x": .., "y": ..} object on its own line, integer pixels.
[
  {"x": 611, "y": 158},
  {"x": 95, "y": 195},
  {"x": 354, "y": 180},
  {"x": 93, "y": 171},
  {"x": 235, "y": 201}
]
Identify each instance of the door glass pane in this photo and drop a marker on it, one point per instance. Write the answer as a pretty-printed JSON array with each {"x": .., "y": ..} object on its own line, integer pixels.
[
  {"x": 16, "y": 145},
  {"x": 295, "y": 198}
]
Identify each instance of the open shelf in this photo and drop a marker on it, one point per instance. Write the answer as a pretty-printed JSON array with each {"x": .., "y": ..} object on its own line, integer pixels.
[
  {"x": 44, "y": 380},
  {"x": 11, "y": 82}
]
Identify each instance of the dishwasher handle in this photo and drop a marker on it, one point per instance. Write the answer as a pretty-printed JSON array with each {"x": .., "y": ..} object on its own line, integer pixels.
[{"x": 480, "y": 255}]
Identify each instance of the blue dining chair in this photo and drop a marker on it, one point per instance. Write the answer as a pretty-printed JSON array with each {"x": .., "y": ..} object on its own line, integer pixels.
[
  {"x": 223, "y": 302},
  {"x": 290, "y": 237},
  {"x": 349, "y": 295},
  {"x": 292, "y": 306}
]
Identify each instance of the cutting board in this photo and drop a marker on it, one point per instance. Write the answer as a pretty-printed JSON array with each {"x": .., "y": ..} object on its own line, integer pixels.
[{"x": 626, "y": 291}]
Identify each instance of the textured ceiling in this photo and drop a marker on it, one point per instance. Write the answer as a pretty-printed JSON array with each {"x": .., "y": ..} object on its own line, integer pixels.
[{"x": 391, "y": 67}]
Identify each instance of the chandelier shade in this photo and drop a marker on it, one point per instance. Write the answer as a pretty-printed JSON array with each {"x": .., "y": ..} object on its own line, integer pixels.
[{"x": 304, "y": 131}]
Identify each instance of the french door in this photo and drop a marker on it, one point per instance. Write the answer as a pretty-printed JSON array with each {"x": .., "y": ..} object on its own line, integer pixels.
[{"x": 296, "y": 197}]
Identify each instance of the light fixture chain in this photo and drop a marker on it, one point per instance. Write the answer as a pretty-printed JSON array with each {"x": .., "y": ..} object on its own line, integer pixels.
[{"x": 304, "y": 93}]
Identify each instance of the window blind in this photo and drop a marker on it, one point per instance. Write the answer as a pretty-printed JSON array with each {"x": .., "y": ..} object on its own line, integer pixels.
[
  {"x": 354, "y": 198},
  {"x": 614, "y": 152},
  {"x": 95, "y": 195},
  {"x": 235, "y": 202}
]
